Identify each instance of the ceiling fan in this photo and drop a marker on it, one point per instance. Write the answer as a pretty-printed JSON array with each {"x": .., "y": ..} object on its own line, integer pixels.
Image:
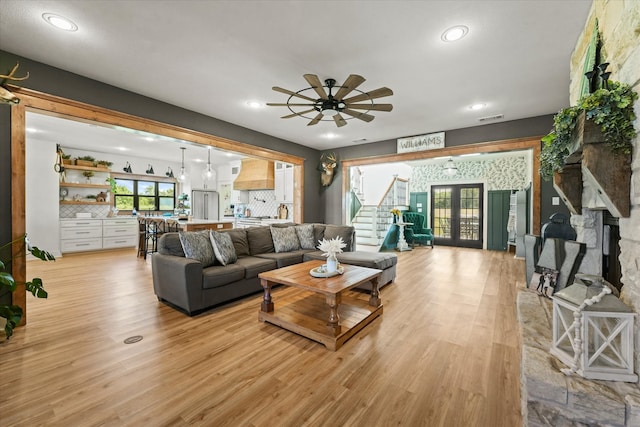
[{"x": 334, "y": 105}]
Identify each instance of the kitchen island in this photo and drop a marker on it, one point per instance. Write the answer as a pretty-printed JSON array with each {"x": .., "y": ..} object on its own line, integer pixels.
[{"x": 205, "y": 224}]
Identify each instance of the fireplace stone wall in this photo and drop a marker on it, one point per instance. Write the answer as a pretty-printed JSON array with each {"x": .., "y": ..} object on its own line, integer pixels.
[{"x": 619, "y": 25}]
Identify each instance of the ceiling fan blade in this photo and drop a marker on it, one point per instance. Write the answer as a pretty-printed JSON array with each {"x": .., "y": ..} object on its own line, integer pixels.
[
  {"x": 279, "y": 104},
  {"x": 316, "y": 119},
  {"x": 373, "y": 107},
  {"x": 288, "y": 92},
  {"x": 377, "y": 93},
  {"x": 358, "y": 115},
  {"x": 340, "y": 121},
  {"x": 288, "y": 116},
  {"x": 315, "y": 83},
  {"x": 352, "y": 82}
]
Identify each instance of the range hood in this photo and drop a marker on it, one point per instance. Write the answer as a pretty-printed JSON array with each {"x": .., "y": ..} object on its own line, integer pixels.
[{"x": 255, "y": 174}]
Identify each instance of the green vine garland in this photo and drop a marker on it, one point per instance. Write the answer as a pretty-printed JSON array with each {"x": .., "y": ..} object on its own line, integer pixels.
[{"x": 611, "y": 109}]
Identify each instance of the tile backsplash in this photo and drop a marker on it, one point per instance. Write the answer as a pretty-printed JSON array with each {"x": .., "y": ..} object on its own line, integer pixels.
[
  {"x": 263, "y": 203},
  {"x": 69, "y": 211}
]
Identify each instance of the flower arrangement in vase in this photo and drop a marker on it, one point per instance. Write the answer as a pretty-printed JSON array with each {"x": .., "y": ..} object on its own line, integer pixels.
[
  {"x": 397, "y": 215},
  {"x": 331, "y": 248}
]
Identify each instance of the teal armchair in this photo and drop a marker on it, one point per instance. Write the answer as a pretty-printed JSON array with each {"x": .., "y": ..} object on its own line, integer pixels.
[{"x": 417, "y": 233}]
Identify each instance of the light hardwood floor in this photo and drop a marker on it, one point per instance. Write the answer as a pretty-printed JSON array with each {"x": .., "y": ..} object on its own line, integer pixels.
[{"x": 444, "y": 353}]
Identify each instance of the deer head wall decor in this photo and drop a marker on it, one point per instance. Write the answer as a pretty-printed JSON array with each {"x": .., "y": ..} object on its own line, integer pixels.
[
  {"x": 5, "y": 93},
  {"x": 328, "y": 163}
]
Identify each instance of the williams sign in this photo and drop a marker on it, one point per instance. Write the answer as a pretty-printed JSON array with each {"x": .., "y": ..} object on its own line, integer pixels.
[{"x": 421, "y": 142}]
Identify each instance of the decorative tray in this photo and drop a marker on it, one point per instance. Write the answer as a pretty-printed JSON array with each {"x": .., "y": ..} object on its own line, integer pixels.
[{"x": 322, "y": 271}]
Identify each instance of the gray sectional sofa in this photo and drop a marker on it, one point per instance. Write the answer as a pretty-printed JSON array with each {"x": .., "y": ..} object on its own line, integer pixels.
[{"x": 189, "y": 285}]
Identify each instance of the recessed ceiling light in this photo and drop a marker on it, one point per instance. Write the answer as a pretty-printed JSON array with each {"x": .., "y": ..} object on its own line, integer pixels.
[
  {"x": 122, "y": 148},
  {"x": 60, "y": 22},
  {"x": 148, "y": 138},
  {"x": 478, "y": 106},
  {"x": 330, "y": 135},
  {"x": 254, "y": 104},
  {"x": 454, "y": 33},
  {"x": 31, "y": 130}
]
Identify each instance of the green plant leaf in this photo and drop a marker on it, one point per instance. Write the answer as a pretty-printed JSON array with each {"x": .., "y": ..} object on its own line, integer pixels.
[
  {"x": 36, "y": 289},
  {"x": 6, "y": 279}
]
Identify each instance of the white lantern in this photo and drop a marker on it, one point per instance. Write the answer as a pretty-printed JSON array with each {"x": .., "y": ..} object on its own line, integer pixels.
[{"x": 593, "y": 331}]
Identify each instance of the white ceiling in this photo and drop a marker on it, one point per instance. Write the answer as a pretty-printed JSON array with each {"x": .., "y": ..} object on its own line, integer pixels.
[
  {"x": 78, "y": 135},
  {"x": 214, "y": 56}
]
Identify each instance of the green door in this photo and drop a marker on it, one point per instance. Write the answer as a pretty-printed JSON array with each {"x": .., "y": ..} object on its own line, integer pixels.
[
  {"x": 498, "y": 212},
  {"x": 418, "y": 203}
]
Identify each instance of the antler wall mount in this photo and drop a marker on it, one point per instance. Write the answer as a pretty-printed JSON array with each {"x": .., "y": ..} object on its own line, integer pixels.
[
  {"x": 5, "y": 94},
  {"x": 333, "y": 105}
]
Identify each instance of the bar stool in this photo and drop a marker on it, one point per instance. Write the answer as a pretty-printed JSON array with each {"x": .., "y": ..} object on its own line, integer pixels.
[{"x": 142, "y": 237}]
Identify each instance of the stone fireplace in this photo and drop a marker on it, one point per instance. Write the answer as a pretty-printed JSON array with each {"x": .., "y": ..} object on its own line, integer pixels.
[{"x": 551, "y": 398}]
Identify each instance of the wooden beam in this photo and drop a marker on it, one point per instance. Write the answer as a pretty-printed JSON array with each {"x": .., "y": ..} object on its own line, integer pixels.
[{"x": 18, "y": 203}]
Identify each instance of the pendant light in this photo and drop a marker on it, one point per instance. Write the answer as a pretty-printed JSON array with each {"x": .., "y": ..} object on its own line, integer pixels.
[
  {"x": 208, "y": 175},
  {"x": 450, "y": 168},
  {"x": 182, "y": 177}
]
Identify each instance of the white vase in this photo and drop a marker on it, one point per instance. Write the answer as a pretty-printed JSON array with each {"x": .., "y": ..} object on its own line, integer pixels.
[{"x": 332, "y": 264}]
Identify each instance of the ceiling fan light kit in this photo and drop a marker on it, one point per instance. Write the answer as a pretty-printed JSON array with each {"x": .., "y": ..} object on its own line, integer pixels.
[{"x": 331, "y": 106}]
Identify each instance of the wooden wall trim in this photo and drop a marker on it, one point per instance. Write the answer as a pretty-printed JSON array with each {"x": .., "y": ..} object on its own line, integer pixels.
[
  {"x": 516, "y": 144},
  {"x": 18, "y": 204}
]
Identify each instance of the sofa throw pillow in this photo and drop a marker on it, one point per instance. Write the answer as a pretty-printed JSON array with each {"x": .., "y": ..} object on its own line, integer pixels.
[
  {"x": 260, "y": 240},
  {"x": 306, "y": 236},
  {"x": 196, "y": 245},
  {"x": 345, "y": 231},
  {"x": 223, "y": 248},
  {"x": 285, "y": 239},
  {"x": 239, "y": 239}
]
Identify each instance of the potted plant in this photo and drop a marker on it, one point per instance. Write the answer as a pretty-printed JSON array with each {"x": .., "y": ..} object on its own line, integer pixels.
[
  {"x": 609, "y": 108},
  {"x": 85, "y": 161},
  {"x": 331, "y": 249},
  {"x": 12, "y": 314},
  {"x": 67, "y": 160},
  {"x": 104, "y": 164},
  {"x": 88, "y": 175},
  {"x": 112, "y": 184}
]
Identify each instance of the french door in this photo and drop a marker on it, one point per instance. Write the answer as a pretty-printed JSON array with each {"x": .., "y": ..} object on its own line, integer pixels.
[{"x": 456, "y": 215}]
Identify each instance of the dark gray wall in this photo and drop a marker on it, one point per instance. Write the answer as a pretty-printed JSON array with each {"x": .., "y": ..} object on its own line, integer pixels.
[{"x": 534, "y": 126}]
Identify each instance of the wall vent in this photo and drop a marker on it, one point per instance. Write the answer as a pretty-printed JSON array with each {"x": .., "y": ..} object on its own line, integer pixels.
[{"x": 487, "y": 118}]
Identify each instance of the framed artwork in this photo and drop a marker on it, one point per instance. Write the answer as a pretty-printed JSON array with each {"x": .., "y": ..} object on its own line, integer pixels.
[{"x": 544, "y": 281}]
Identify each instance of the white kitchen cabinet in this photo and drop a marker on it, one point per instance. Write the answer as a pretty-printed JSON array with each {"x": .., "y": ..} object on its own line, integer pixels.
[
  {"x": 283, "y": 175},
  {"x": 237, "y": 196},
  {"x": 78, "y": 235},
  {"x": 119, "y": 233}
]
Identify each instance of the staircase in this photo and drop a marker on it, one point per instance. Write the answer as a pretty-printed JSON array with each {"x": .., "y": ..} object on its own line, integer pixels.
[
  {"x": 371, "y": 225},
  {"x": 373, "y": 221}
]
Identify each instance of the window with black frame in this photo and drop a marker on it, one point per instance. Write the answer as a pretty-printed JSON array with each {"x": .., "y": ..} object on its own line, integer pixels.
[{"x": 144, "y": 195}]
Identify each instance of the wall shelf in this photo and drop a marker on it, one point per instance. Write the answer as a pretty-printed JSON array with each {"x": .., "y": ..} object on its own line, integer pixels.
[
  {"x": 80, "y": 202},
  {"x": 87, "y": 168},
  {"x": 80, "y": 185}
]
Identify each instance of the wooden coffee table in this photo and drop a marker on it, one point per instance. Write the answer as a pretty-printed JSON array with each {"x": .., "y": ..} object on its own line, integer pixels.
[{"x": 324, "y": 310}]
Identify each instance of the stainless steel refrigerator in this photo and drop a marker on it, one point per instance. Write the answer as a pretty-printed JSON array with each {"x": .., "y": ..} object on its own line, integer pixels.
[{"x": 204, "y": 204}]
